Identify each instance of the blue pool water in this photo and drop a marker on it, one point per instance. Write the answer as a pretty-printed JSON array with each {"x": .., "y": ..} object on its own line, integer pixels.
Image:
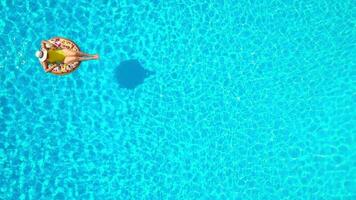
[{"x": 227, "y": 100}]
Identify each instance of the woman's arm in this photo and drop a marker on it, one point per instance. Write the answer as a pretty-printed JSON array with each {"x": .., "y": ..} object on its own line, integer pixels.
[
  {"x": 51, "y": 68},
  {"x": 46, "y": 44},
  {"x": 46, "y": 68}
]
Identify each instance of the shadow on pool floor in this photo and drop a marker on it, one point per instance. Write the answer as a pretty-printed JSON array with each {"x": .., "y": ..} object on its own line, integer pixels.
[{"x": 130, "y": 73}]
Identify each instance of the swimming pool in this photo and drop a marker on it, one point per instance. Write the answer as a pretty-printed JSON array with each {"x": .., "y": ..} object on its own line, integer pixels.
[{"x": 244, "y": 100}]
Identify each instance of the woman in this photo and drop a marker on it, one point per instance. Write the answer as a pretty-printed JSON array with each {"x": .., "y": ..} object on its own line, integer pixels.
[{"x": 51, "y": 54}]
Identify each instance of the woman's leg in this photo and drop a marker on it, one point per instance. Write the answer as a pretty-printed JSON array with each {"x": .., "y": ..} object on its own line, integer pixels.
[
  {"x": 68, "y": 52},
  {"x": 73, "y": 59},
  {"x": 87, "y": 58},
  {"x": 79, "y": 53}
]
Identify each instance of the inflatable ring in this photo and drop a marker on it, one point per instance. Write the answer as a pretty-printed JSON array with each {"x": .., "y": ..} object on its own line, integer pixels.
[{"x": 61, "y": 68}]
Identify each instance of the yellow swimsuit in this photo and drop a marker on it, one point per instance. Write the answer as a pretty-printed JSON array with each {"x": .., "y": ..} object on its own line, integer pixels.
[{"x": 55, "y": 56}]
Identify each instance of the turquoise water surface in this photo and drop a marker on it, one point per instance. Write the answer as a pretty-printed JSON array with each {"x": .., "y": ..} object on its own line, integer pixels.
[{"x": 241, "y": 100}]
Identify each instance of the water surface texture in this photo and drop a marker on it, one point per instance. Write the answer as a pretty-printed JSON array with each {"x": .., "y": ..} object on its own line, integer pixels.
[{"x": 249, "y": 100}]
